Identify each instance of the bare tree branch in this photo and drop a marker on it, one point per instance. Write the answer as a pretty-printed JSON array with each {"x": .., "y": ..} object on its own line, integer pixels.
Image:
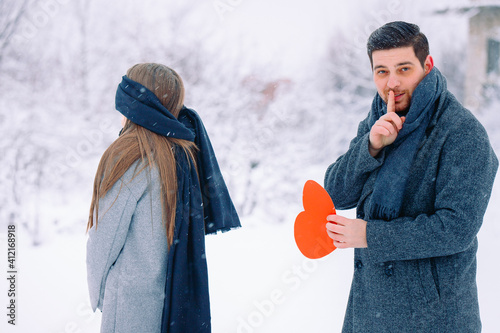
[{"x": 11, "y": 13}]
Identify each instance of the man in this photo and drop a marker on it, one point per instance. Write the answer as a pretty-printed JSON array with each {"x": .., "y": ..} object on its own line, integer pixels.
[{"x": 420, "y": 173}]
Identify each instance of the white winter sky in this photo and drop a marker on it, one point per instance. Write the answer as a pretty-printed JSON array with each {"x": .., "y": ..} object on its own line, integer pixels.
[
  {"x": 293, "y": 34},
  {"x": 292, "y": 30}
]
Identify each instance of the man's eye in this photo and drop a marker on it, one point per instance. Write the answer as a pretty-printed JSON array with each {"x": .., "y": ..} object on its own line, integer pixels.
[{"x": 381, "y": 72}]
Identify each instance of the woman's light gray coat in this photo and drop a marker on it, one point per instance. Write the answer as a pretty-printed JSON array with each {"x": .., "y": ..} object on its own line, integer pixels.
[{"x": 127, "y": 256}]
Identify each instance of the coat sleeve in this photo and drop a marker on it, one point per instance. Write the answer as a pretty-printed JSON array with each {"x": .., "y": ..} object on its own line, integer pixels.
[
  {"x": 345, "y": 179},
  {"x": 107, "y": 238},
  {"x": 463, "y": 187}
]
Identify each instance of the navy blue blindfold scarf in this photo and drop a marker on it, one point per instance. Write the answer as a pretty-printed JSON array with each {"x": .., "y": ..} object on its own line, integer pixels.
[
  {"x": 387, "y": 196},
  {"x": 203, "y": 206}
]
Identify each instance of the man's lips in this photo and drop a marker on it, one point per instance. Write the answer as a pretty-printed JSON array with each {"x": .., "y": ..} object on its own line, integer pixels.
[{"x": 398, "y": 96}]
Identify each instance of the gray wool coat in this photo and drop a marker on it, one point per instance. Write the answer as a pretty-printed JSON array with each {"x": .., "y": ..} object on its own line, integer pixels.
[
  {"x": 418, "y": 273},
  {"x": 127, "y": 256}
]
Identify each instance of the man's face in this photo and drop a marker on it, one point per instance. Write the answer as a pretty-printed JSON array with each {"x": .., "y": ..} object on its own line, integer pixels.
[{"x": 399, "y": 70}]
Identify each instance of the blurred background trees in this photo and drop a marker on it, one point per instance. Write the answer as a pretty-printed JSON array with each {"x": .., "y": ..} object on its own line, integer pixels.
[{"x": 276, "y": 116}]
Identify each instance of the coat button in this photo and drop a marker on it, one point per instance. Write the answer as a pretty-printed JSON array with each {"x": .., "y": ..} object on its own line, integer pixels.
[
  {"x": 389, "y": 270},
  {"x": 358, "y": 264}
]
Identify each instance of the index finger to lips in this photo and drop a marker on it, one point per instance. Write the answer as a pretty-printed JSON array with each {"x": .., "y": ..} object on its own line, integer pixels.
[{"x": 391, "y": 102}]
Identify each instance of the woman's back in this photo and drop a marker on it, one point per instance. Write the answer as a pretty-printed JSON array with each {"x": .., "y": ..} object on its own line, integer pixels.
[{"x": 131, "y": 245}]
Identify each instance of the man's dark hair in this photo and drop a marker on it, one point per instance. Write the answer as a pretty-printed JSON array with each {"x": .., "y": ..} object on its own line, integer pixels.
[{"x": 399, "y": 34}]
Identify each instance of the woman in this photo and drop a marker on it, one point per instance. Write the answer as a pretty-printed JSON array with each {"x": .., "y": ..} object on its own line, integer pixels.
[{"x": 146, "y": 262}]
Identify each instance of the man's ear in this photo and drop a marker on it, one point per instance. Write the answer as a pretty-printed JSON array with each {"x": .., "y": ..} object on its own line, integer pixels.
[{"x": 428, "y": 64}]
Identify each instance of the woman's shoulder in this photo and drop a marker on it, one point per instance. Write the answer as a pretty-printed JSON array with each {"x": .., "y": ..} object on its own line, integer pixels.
[{"x": 138, "y": 178}]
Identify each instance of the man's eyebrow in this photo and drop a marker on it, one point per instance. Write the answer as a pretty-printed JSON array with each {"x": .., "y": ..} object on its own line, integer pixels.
[
  {"x": 398, "y": 65},
  {"x": 405, "y": 63}
]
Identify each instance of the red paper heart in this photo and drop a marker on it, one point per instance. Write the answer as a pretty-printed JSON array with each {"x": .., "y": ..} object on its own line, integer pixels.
[{"x": 310, "y": 230}]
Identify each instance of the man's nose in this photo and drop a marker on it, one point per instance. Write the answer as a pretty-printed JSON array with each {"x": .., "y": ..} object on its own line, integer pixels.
[{"x": 393, "y": 82}]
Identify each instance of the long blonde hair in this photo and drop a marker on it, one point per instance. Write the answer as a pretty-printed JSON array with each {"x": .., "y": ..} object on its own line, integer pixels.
[{"x": 138, "y": 143}]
